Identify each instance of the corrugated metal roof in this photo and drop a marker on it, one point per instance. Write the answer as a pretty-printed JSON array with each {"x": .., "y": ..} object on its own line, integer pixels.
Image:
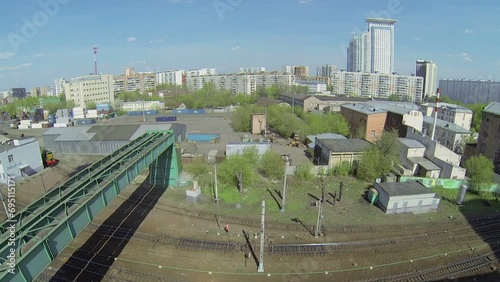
[
  {"x": 146, "y": 127},
  {"x": 66, "y": 130},
  {"x": 493, "y": 108},
  {"x": 77, "y": 136},
  {"x": 345, "y": 145},
  {"x": 446, "y": 125},
  {"x": 404, "y": 188},
  {"x": 114, "y": 132},
  {"x": 411, "y": 143}
]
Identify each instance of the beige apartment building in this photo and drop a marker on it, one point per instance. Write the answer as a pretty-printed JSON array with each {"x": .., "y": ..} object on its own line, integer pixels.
[{"x": 134, "y": 81}]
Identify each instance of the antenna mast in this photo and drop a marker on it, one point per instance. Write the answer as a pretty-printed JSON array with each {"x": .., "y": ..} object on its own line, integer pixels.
[{"x": 95, "y": 59}]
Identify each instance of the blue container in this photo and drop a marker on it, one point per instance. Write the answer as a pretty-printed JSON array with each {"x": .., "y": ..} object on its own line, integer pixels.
[
  {"x": 163, "y": 119},
  {"x": 151, "y": 112},
  {"x": 198, "y": 137},
  {"x": 135, "y": 113}
]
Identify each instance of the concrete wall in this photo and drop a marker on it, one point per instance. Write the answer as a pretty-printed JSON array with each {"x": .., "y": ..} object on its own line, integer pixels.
[
  {"x": 412, "y": 203},
  {"x": 339, "y": 158},
  {"x": 414, "y": 119},
  {"x": 238, "y": 149},
  {"x": 366, "y": 123}
]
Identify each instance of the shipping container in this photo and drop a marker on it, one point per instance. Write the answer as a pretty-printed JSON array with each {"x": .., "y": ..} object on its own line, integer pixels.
[
  {"x": 189, "y": 111},
  {"x": 200, "y": 137},
  {"x": 163, "y": 119},
  {"x": 140, "y": 113}
]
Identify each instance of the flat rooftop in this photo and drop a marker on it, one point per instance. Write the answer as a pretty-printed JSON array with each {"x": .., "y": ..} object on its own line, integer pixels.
[
  {"x": 345, "y": 145},
  {"x": 409, "y": 188},
  {"x": 363, "y": 108},
  {"x": 411, "y": 143},
  {"x": 450, "y": 126}
]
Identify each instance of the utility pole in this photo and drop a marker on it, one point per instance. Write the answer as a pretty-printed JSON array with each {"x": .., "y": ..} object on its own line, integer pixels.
[
  {"x": 319, "y": 221},
  {"x": 283, "y": 195},
  {"x": 143, "y": 113},
  {"x": 261, "y": 257},
  {"x": 217, "y": 197}
]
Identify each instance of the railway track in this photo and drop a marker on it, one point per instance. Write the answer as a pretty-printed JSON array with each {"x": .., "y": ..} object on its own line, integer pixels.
[
  {"x": 471, "y": 266},
  {"x": 441, "y": 225},
  {"x": 113, "y": 274}
]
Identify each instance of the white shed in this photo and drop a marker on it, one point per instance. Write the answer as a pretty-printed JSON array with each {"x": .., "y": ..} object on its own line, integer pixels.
[{"x": 400, "y": 197}]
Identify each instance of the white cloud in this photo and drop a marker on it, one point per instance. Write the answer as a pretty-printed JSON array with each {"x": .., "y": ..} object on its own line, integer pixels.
[
  {"x": 157, "y": 41},
  {"x": 304, "y": 1},
  {"x": 6, "y": 55},
  {"x": 462, "y": 55},
  {"x": 235, "y": 48},
  {"x": 40, "y": 55},
  {"x": 468, "y": 31},
  {"x": 417, "y": 38},
  {"x": 21, "y": 66},
  {"x": 131, "y": 39}
]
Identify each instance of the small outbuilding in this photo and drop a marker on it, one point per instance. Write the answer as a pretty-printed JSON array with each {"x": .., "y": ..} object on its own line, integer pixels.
[{"x": 401, "y": 197}]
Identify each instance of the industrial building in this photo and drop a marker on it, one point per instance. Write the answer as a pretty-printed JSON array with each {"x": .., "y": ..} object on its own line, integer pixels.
[
  {"x": 326, "y": 103},
  {"x": 333, "y": 152},
  {"x": 413, "y": 160},
  {"x": 102, "y": 140},
  {"x": 19, "y": 158},
  {"x": 364, "y": 121},
  {"x": 447, "y": 134},
  {"x": 401, "y": 116},
  {"x": 402, "y": 197},
  {"x": 456, "y": 114},
  {"x": 488, "y": 144},
  {"x": 377, "y": 85},
  {"x": 90, "y": 88}
]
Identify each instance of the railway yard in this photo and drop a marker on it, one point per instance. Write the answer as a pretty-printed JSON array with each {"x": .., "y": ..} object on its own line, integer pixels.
[{"x": 153, "y": 234}]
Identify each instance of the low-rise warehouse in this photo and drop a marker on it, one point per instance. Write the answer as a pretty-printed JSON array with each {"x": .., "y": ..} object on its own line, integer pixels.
[
  {"x": 401, "y": 197},
  {"x": 333, "y": 152},
  {"x": 102, "y": 140}
]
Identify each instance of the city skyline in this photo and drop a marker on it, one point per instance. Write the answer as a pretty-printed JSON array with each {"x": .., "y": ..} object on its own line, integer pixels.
[{"x": 189, "y": 34}]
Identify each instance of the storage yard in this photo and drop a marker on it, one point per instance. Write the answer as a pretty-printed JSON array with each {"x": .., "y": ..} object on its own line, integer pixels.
[{"x": 153, "y": 234}]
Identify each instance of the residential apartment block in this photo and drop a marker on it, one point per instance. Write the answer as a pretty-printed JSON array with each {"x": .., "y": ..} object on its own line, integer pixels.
[
  {"x": 314, "y": 86},
  {"x": 201, "y": 72},
  {"x": 471, "y": 91},
  {"x": 358, "y": 53},
  {"x": 90, "y": 88},
  {"x": 447, "y": 134},
  {"x": 489, "y": 136},
  {"x": 428, "y": 71},
  {"x": 241, "y": 84},
  {"x": 325, "y": 70},
  {"x": 143, "y": 106},
  {"x": 251, "y": 70},
  {"x": 376, "y": 85},
  {"x": 134, "y": 81},
  {"x": 458, "y": 115},
  {"x": 365, "y": 121},
  {"x": 172, "y": 77}
]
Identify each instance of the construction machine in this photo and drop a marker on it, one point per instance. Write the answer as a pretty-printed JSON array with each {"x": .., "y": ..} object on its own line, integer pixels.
[{"x": 48, "y": 159}]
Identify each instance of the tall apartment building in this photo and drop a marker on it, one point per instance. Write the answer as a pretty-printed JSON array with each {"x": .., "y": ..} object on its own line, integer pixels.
[
  {"x": 471, "y": 91},
  {"x": 377, "y": 85},
  {"x": 174, "y": 77},
  {"x": 90, "y": 88},
  {"x": 58, "y": 86},
  {"x": 241, "y": 84},
  {"x": 458, "y": 115},
  {"x": 299, "y": 71},
  {"x": 488, "y": 143},
  {"x": 201, "y": 72},
  {"x": 251, "y": 70},
  {"x": 325, "y": 70},
  {"x": 428, "y": 70},
  {"x": 373, "y": 51},
  {"x": 358, "y": 53},
  {"x": 134, "y": 81}
]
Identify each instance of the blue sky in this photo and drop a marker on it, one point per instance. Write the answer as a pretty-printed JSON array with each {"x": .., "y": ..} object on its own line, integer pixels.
[{"x": 461, "y": 36}]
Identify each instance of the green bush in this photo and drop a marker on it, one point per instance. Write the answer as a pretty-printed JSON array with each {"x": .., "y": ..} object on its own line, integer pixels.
[
  {"x": 304, "y": 172},
  {"x": 271, "y": 165},
  {"x": 343, "y": 169}
]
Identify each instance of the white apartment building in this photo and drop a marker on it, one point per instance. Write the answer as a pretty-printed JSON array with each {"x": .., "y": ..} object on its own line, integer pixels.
[
  {"x": 314, "y": 86},
  {"x": 143, "y": 106},
  {"x": 173, "y": 77},
  {"x": 447, "y": 134},
  {"x": 377, "y": 85},
  {"x": 382, "y": 44},
  {"x": 471, "y": 91},
  {"x": 428, "y": 70},
  {"x": 325, "y": 70},
  {"x": 59, "y": 86},
  {"x": 240, "y": 84},
  {"x": 201, "y": 72},
  {"x": 358, "y": 53},
  {"x": 90, "y": 88},
  {"x": 458, "y": 115},
  {"x": 251, "y": 70},
  {"x": 19, "y": 158}
]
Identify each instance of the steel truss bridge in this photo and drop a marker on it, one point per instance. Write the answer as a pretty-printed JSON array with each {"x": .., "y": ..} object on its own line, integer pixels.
[{"x": 39, "y": 232}]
